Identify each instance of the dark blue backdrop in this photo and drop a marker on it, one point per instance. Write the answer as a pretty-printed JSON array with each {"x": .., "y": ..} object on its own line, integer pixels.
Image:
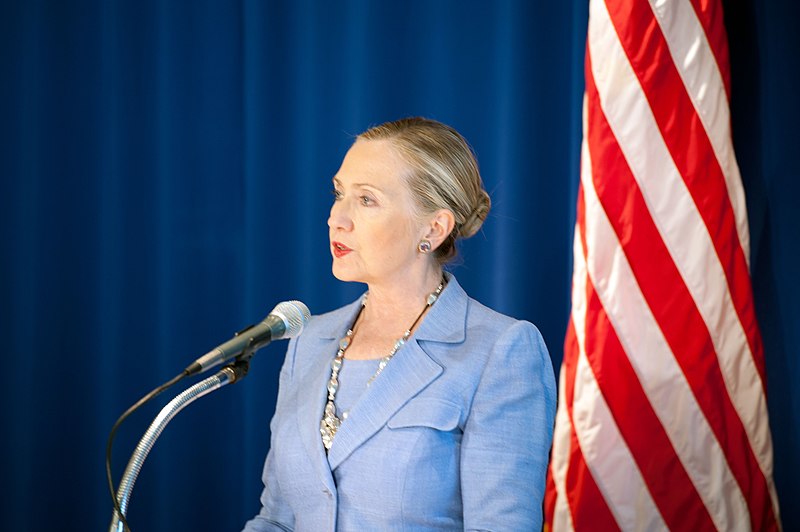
[{"x": 165, "y": 173}]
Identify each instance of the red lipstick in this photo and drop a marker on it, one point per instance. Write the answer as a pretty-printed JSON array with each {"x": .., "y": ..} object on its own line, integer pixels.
[{"x": 339, "y": 249}]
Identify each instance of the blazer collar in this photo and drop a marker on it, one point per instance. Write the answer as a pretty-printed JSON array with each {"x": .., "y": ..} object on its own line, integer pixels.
[{"x": 411, "y": 370}]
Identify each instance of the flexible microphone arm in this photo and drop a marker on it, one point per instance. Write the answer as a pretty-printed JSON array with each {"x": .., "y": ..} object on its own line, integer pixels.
[
  {"x": 228, "y": 375},
  {"x": 286, "y": 320}
]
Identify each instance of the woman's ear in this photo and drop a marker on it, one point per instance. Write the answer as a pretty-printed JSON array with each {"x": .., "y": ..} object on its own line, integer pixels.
[{"x": 440, "y": 225}]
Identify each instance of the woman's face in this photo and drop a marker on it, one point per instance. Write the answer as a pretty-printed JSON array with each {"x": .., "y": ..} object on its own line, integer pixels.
[{"x": 373, "y": 231}]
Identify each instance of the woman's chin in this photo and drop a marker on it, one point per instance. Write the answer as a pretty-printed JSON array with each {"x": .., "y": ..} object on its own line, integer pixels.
[{"x": 343, "y": 274}]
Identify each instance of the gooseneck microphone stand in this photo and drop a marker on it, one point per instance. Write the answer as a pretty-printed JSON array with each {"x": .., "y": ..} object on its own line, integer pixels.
[{"x": 231, "y": 373}]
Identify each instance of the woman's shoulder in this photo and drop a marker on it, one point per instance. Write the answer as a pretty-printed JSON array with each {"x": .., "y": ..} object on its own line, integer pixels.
[
  {"x": 481, "y": 315},
  {"x": 485, "y": 321},
  {"x": 470, "y": 320}
]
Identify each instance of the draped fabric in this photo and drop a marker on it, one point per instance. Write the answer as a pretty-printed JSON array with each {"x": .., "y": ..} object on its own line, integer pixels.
[
  {"x": 165, "y": 169},
  {"x": 663, "y": 421}
]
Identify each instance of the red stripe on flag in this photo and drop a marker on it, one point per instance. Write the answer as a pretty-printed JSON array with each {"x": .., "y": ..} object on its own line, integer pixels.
[
  {"x": 688, "y": 144},
  {"x": 581, "y": 490},
  {"x": 672, "y": 307},
  {"x": 550, "y": 496},
  {"x": 710, "y": 15},
  {"x": 589, "y": 509}
]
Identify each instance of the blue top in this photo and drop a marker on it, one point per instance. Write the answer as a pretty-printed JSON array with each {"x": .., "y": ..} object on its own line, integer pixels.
[
  {"x": 454, "y": 434},
  {"x": 353, "y": 378}
]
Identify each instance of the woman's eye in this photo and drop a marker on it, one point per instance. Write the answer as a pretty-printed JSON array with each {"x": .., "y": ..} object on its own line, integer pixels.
[
  {"x": 337, "y": 194},
  {"x": 366, "y": 201}
]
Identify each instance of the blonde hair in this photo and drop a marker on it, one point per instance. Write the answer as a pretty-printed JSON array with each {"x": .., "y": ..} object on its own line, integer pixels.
[{"x": 444, "y": 174}]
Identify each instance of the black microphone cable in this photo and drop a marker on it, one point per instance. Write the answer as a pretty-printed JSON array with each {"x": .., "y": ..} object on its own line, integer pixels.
[{"x": 110, "y": 443}]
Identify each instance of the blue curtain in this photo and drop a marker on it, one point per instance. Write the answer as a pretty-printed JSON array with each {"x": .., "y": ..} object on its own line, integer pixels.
[{"x": 165, "y": 181}]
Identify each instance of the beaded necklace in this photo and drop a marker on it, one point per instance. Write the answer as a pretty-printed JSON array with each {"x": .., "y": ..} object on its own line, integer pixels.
[{"x": 330, "y": 422}]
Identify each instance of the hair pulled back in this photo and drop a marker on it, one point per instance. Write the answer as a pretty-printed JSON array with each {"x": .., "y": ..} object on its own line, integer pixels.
[{"x": 444, "y": 174}]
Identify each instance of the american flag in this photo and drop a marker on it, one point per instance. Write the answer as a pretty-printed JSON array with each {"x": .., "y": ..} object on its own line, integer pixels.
[{"x": 662, "y": 417}]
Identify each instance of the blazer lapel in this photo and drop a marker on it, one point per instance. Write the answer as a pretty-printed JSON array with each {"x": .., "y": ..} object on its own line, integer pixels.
[
  {"x": 410, "y": 371},
  {"x": 312, "y": 393},
  {"x": 311, "y": 397}
]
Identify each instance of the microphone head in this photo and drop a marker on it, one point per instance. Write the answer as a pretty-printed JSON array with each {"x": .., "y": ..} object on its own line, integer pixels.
[{"x": 294, "y": 315}]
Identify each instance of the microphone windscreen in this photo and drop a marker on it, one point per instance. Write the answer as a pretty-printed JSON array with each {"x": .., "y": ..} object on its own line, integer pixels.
[{"x": 294, "y": 314}]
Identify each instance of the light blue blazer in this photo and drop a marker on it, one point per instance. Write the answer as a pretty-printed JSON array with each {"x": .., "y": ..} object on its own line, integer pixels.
[{"x": 453, "y": 435}]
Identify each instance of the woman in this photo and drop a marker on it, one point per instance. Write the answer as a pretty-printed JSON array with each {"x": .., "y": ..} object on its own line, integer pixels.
[{"x": 415, "y": 407}]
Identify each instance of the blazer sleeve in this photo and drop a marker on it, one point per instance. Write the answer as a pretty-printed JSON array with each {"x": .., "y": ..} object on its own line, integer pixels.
[
  {"x": 507, "y": 436},
  {"x": 275, "y": 514}
]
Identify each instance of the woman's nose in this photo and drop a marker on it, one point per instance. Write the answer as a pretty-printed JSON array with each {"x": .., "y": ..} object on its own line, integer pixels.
[{"x": 340, "y": 217}]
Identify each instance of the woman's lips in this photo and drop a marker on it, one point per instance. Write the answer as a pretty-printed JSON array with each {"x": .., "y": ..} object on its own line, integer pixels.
[{"x": 339, "y": 249}]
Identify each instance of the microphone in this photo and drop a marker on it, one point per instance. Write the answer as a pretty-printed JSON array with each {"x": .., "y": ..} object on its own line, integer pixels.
[{"x": 286, "y": 320}]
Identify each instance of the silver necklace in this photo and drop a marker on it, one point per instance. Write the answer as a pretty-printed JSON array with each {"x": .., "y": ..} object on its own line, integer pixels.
[{"x": 330, "y": 422}]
